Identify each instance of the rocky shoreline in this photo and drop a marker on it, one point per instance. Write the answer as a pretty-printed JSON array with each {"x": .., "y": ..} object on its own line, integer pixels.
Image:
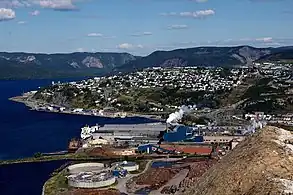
[{"x": 40, "y": 106}]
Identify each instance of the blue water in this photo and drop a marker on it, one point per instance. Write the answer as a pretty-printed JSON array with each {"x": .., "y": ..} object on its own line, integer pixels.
[
  {"x": 27, "y": 178},
  {"x": 24, "y": 132},
  {"x": 165, "y": 164}
]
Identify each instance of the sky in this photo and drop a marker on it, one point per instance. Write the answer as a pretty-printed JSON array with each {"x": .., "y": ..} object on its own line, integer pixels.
[{"x": 142, "y": 26}]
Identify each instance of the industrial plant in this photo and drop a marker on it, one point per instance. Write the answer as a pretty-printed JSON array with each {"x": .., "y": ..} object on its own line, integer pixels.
[
  {"x": 155, "y": 137},
  {"x": 168, "y": 148}
]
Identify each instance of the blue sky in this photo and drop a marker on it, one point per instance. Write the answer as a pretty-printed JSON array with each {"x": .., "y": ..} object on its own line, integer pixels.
[{"x": 142, "y": 26}]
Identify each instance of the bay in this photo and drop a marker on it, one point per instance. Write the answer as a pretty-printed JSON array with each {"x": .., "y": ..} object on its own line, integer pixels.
[
  {"x": 26, "y": 178},
  {"x": 24, "y": 132}
]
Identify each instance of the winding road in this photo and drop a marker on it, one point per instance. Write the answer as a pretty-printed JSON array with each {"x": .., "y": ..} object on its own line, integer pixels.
[{"x": 121, "y": 186}]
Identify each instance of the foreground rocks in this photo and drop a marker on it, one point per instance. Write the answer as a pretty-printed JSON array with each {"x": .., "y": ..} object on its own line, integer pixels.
[{"x": 262, "y": 164}]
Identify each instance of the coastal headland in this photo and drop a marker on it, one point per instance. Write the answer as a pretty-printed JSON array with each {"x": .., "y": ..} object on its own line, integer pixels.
[{"x": 35, "y": 105}]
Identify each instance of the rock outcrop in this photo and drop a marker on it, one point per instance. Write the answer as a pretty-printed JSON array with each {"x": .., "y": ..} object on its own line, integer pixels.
[{"x": 262, "y": 164}]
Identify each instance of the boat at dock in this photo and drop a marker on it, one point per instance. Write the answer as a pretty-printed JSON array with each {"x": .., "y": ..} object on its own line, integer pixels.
[{"x": 73, "y": 145}]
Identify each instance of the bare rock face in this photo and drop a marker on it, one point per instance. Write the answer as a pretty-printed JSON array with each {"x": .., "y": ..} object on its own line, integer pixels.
[
  {"x": 92, "y": 62},
  {"x": 74, "y": 65},
  {"x": 240, "y": 58},
  {"x": 261, "y": 164},
  {"x": 27, "y": 59},
  {"x": 174, "y": 62},
  {"x": 247, "y": 55}
]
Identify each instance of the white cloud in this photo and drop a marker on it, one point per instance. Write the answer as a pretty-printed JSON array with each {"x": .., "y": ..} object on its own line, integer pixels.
[
  {"x": 265, "y": 39},
  {"x": 177, "y": 26},
  {"x": 61, "y": 5},
  {"x": 100, "y": 35},
  {"x": 128, "y": 46},
  {"x": 57, "y": 4},
  {"x": 197, "y": 14},
  {"x": 142, "y": 34},
  {"x": 14, "y": 3},
  {"x": 80, "y": 49},
  {"x": 95, "y": 35},
  {"x": 140, "y": 46},
  {"x": 6, "y": 14},
  {"x": 21, "y": 22},
  {"x": 125, "y": 46},
  {"x": 35, "y": 13}
]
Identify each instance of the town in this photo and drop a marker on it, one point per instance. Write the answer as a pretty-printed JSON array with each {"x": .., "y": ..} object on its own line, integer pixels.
[
  {"x": 130, "y": 92},
  {"x": 155, "y": 92},
  {"x": 191, "y": 136}
]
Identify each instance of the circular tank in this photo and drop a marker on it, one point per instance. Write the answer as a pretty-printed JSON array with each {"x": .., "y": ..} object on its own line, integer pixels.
[
  {"x": 86, "y": 167},
  {"x": 129, "y": 166},
  {"x": 91, "y": 179}
]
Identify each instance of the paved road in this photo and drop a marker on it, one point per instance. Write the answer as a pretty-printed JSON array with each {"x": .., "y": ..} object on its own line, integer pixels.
[{"x": 121, "y": 186}]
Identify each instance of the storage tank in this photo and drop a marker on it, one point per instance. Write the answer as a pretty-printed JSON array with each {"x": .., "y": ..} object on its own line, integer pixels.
[
  {"x": 129, "y": 166},
  {"x": 86, "y": 167},
  {"x": 91, "y": 179}
]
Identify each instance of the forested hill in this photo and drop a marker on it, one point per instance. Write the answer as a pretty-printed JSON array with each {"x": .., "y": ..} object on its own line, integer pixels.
[
  {"x": 30, "y": 65},
  {"x": 200, "y": 56}
]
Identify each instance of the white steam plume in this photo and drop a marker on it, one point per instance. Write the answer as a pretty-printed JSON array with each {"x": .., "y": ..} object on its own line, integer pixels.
[
  {"x": 254, "y": 126},
  {"x": 178, "y": 115}
]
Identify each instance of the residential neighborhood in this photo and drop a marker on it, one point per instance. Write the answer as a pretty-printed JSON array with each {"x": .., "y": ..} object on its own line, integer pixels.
[{"x": 184, "y": 78}]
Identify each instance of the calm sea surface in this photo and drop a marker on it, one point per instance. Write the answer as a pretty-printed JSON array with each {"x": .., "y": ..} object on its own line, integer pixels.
[{"x": 24, "y": 132}]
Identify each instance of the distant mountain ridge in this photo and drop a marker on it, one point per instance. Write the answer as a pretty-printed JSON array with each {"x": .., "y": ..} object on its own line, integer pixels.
[
  {"x": 200, "y": 56},
  {"x": 281, "y": 54},
  {"x": 30, "y": 65}
]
